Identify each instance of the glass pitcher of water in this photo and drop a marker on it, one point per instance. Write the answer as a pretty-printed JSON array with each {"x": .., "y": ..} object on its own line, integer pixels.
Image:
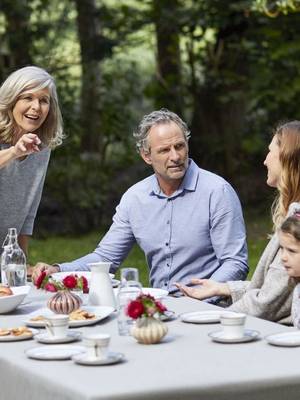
[{"x": 13, "y": 261}]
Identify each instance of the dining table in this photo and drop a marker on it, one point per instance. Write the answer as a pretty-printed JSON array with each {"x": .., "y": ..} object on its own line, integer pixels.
[{"x": 187, "y": 364}]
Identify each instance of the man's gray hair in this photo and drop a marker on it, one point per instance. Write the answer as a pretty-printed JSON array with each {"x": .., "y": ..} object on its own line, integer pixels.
[{"x": 162, "y": 116}]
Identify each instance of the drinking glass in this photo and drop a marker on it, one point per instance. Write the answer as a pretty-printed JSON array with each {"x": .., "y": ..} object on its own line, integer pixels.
[{"x": 130, "y": 288}]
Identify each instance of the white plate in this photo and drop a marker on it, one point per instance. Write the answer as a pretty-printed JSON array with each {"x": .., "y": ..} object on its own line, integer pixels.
[
  {"x": 12, "y": 338},
  {"x": 115, "y": 283},
  {"x": 249, "y": 335},
  {"x": 286, "y": 339},
  {"x": 45, "y": 338},
  {"x": 202, "y": 317},
  {"x": 167, "y": 316},
  {"x": 9, "y": 303},
  {"x": 155, "y": 292},
  {"x": 59, "y": 352},
  {"x": 112, "y": 358},
  {"x": 101, "y": 312}
]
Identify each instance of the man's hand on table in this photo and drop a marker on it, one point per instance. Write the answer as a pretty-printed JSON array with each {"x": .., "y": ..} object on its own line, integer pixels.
[
  {"x": 208, "y": 288},
  {"x": 39, "y": 267}
]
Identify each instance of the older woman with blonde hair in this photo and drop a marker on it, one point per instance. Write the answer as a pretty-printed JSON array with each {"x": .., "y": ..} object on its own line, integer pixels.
[
  {"x": 269, "y": 294},
  {"x": 30, "y": 126}
]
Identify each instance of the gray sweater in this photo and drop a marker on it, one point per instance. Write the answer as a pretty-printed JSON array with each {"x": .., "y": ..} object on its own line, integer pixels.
[
  {"x": 296, "y": 306},
  {"x": 269, "y": 294},
  {"x": 21, "y": 185}
]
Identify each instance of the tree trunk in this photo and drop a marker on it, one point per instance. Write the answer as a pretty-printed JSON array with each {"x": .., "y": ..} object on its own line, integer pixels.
[
  {"x": 169, "y": 89},
  {"x": 18, "y": 34},
  {"x": 220, "y": 104},
  {"x": 88, "y": 27}
]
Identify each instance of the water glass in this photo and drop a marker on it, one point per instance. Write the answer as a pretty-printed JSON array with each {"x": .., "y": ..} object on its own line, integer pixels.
[
  {"x": 130, "y": 289},
  {"x": 130, "y": 277}
]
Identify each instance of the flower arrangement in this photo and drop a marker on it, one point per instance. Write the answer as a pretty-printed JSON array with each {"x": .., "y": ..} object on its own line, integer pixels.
[
  {"x": 145, "y": 305},
  {"x": 70, "y": 282}
]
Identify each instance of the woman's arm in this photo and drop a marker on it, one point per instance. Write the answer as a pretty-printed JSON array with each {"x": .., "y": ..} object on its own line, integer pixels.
[
  {"x": 207, "y": 288},
  {"x": 27, "y": 144},
  {"x": 272, "y": 299}
]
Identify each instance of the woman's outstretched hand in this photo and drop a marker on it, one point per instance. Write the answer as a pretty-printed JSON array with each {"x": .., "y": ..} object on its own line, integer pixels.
[
  {"x": 208, "y": 288},
  {"x": 27, "y": 144}
]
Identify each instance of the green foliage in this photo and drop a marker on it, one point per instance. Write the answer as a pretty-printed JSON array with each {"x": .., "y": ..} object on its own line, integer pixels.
[
  {"x": 273, "y": 8},
  {"x": 239, "y": 75}
]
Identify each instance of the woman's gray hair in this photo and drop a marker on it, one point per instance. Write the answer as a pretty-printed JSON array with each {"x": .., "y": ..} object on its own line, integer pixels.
[
  {"x": 162, "y": 116},
  {"x": 30, "y": 79}
]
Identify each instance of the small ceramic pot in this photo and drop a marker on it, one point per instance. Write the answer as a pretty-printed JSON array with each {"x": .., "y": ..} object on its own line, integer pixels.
[
  {"x": 64, "y": 302},
  {"x": 149, "y": 330}
]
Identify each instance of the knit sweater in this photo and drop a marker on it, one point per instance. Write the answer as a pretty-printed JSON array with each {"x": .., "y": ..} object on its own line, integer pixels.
[
  {"x": 269, "y": 294},
  {"x": 296, "y": 306}
]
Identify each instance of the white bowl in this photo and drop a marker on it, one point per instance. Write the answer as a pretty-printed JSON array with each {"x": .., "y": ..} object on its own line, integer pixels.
[{"x": 9, "y": 303}]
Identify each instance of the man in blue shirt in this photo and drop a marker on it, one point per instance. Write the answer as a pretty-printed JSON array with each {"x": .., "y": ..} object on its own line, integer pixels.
[{"x": 188, "y": 221}]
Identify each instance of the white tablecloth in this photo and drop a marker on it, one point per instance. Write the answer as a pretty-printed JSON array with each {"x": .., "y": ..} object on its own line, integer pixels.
[{"x": 186, "y": 365}]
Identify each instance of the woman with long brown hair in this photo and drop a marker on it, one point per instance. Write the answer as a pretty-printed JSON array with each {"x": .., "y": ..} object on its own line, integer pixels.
[{"x": 269, "y": 294}]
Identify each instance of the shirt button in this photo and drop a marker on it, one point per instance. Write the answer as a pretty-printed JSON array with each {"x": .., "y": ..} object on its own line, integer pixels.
[
  {"x": 168, "y": 264},
  {"x": 167, "y": 244},
  {"x": 168, "y": 222}
]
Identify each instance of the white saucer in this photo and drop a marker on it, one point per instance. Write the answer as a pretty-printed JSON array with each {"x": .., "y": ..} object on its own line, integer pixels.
[
  {"x": 112, "y": 358},
  {"x": 249, "y": 335},
  {"x": 202, "y": 317},
  {"x": 286, "y": 339},
  {"x": 59, "y": 352},
  {"x": 45, "y": 338}
]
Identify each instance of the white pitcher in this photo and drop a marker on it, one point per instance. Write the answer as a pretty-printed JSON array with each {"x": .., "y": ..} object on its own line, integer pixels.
[{"x": 101, "y": 291}]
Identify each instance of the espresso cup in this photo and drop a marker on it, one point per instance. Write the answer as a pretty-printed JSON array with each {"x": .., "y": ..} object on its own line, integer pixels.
[
  {"x": 57, "y": 325},
  {"x": 97, "y": 345},
  {"x": 233, "y": 324}
]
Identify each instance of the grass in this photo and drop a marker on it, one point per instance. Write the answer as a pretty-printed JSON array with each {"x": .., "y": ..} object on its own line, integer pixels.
[{"x": 60, "y": 249}]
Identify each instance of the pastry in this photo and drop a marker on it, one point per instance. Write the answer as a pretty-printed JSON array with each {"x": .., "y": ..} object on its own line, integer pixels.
[
  {"x": 81, "y": 314},
  {"x": 5, "y": 291},
  {"x": 4, "y": 332},
  {"x": 22, "y": 330}
]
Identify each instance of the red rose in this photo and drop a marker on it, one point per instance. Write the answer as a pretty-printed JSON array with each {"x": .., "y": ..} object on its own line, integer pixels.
[
  {"x": 135, "y": 309},
  {"x": 161, "y": 308},
  {"x": 70, "y": 281},
  {"x": 50, "y": 287},
  {"x": 40, "y": 278},
  {"x": 85, "y": 286}
]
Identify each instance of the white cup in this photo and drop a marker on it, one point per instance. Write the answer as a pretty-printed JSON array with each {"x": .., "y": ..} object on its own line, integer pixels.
[
  {"x": 233, "y": 324},
  {"x": 57, "y": 325},
  {"x": 97, "y": 345}
]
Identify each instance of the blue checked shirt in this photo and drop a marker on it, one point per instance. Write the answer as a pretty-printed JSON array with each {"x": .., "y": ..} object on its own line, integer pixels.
[{"x": 198, "y": 231}]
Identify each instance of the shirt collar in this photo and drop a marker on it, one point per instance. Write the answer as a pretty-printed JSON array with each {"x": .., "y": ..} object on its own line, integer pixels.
[{"x": 189, "y": 182}]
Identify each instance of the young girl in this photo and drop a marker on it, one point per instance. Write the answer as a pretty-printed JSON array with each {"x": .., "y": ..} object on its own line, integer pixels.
[{"x": 289, "y": 239}]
